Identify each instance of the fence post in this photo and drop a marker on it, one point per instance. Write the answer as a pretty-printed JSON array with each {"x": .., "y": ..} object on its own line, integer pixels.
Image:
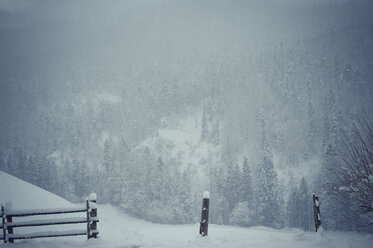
[
  {"x": 316, "y": 211},
  {"x": 9, "y": 219},
  {"x": 88, "y": 229},
  {"x": 3, "y": 221},
  {"x": 203, "y": 230},
  {"x": 9, "y": 228},
  {"x": 92, "y": 209}
]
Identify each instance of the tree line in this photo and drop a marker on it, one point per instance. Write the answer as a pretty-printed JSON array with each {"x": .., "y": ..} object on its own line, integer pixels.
[{"x": 147, "y": 187}]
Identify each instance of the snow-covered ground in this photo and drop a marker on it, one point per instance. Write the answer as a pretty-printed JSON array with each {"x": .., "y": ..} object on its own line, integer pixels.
[
  {"x": 118, "y": 230},
  {"x": 180, "y": 141}
]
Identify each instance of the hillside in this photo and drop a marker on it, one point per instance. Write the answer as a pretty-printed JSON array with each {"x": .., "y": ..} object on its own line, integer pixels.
[{"x": 24, "y": 195}]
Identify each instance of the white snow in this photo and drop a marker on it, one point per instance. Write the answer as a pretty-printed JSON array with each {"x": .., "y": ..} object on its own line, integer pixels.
[
  {"x": 49, "y": 221},
  {"x": 206, "y": 195},
  {"x": 46, "y": 210},
  {"x": 92, "y": 197},
  {"x": 118, "y": 230},
  {"x": 92, "y": 205},
  {"x": 23, "y": 195},
  {"x": 180, "y": 140},
  {"x": 50, "y": 233}
]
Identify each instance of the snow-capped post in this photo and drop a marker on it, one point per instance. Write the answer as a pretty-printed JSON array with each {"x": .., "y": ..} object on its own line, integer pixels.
[
  {"x": 316, "y": 211},
  {"x": 203, "y": 230},
  {"x": 92, "y": 218}
]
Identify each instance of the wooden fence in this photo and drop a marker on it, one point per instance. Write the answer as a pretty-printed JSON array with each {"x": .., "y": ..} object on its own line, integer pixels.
[{"x": 7, "y": 224}]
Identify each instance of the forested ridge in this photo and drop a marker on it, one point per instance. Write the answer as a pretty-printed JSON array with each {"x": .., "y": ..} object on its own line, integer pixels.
[{"x": 273, "y": 89}]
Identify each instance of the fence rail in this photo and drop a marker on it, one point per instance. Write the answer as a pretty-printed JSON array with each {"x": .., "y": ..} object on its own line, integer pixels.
[
  {"x": 90, "y": 220},
  {"x": 48, "y": 234},
  {"x": 32, "y": 212},
  {"x": 48, "y": 222}
]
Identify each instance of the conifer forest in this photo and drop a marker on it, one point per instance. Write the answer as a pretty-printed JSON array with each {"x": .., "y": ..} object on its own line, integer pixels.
[{"x": 151, "y": 103}]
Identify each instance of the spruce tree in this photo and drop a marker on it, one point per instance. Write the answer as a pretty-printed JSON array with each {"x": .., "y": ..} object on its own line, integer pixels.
[
  {"x": 267, "y": 198},
  {"x": 304, "y": 199},
  {"x": 233, "y": 188},
  {"x": 311, "y": 132},
  {"x": 292, "y": 210},
  {"x": 204, "y": 128},
  {"x": 247, "y": 190}
]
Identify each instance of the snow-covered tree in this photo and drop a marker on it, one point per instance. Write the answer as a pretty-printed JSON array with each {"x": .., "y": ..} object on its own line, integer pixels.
[
  {"x": 233, "y": 185},
  {"x": 311, "y": 131},
  {"x": 241, "y": 214},
  {"x": 204, "y": 127},
  {"x": 247, "y": 185},
  {"x": 108, "y": 157},
  {"x": 298, "y": 207},
  {"x": 267, "y": 195},
  {"x": 353, "y": 170}
]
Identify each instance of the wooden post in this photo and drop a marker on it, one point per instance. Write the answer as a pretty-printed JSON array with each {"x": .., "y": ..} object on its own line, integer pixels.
[
  {"x": 3, "y": 221},
  {"x": 9, "y": 228},
  {"x": 316, "y": 211},
  {"x": 203, "y": 230},
  {"x": 88, "y": 229},
  {"x": 8, "y": 206},
  {"x": 92, "y": 229}
]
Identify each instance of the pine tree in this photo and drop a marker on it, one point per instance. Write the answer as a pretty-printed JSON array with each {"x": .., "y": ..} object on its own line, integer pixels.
[
  {"x": 311, "y": 132},
  {"x": 108, "y": 158},
  {"x": 34, "y": 167},
  {"x": 299, "y": 207},
  {"x": 241, "y": 214},
  {"x": 304, "y": 199},
  {"x": 233, "y": 187},
  {"x": 108, "y": 167},
  {"x": 9, "y": 164},
  {"x": 46, "y": 180},
  {"x": 184, "y": 198},
  {"x": 267, "y": 195},
  {"x": 81, "y": 178},
  {"x": 334, "y": 210},
  {"x": 281, "y": 220},
  {"x": 220, "y": 214},
  {"x": 204, "y": 128},
  {"x": 247, "y": 185},
  {"x": 52, "y": 177},
  {"x": 331, "y": 123},
  {"x": 292, "y": 210},
  {"x": 121, "y": 172},
  {"x": 19, "y": 163},
  {"x": 66, "y": 185}
]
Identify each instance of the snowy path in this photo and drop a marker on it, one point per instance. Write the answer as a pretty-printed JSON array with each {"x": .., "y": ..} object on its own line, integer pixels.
[{"x": 120, "y": 231}]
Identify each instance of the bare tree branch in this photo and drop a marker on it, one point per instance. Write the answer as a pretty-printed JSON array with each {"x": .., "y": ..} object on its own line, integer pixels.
[{"x": 353, "y": 166}]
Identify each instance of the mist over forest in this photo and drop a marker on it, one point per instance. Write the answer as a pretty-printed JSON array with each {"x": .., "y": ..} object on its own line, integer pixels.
[{"x": 150, "y": 103}]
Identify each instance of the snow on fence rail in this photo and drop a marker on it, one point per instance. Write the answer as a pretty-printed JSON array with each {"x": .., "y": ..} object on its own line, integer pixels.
[{"x": 90, "y": 220}]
